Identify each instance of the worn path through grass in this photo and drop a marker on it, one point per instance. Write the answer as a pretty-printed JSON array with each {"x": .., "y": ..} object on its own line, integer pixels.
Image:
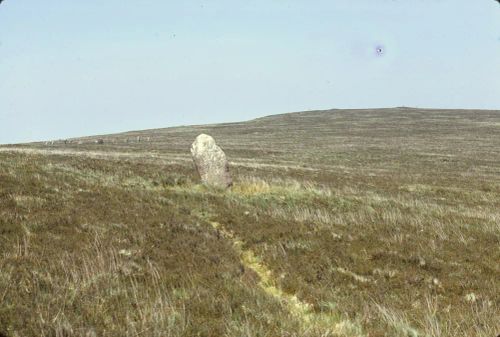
[{"x": 329, "y": 323}]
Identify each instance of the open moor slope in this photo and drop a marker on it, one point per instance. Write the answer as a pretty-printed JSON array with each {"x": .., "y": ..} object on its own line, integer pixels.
[{"x": 381, "y": 222}]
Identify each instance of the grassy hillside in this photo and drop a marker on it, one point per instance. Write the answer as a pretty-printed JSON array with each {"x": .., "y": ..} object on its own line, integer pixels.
[{"x": 340, "y": 223}]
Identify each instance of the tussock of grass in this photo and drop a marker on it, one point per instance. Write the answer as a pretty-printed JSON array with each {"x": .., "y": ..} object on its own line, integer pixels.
[
  {"x": 291, "y": 188},
  {"x": 397, "y": 322}
]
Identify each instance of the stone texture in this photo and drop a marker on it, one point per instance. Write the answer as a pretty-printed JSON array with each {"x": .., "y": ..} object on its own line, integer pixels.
[{"x": 211, "y": 162}]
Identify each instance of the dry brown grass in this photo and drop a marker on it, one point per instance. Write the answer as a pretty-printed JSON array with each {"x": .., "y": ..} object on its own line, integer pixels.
[{"x": 385, "y": 222}]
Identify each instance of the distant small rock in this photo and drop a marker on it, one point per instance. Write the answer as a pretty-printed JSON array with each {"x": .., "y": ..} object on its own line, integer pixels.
[
  {"x": 471, "y": 297},
  {"x": 99, "y": 141},
  {"x": 211, "y": 162}
]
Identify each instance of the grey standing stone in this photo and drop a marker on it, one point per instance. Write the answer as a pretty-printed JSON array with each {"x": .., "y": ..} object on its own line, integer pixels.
[{"x": 211, "y": 162}]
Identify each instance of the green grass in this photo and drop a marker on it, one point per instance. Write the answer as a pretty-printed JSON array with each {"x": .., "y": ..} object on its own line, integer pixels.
[{"x": 340, "y": 223}]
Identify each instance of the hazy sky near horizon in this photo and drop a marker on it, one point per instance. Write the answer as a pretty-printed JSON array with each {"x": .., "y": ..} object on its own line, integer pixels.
[{"x": 74, "y": 68}]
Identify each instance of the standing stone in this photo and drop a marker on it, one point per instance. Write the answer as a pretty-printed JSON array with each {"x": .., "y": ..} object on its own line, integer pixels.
[{"x": 211, "y": 162}]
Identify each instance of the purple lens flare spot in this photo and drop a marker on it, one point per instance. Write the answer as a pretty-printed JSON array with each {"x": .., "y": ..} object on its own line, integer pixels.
[{"x": 380, "y": 50}]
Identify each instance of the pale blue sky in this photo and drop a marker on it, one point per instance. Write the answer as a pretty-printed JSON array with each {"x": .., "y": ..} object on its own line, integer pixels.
[{"x": 72, "y": 68}]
